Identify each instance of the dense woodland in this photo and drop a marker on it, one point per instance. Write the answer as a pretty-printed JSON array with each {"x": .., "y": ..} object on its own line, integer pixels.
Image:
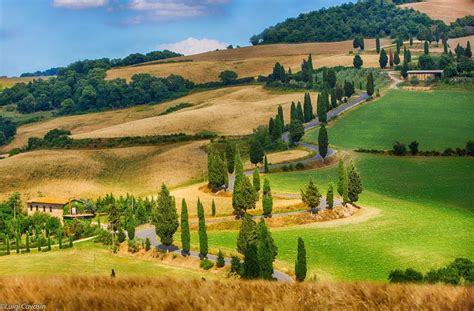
[
  {"x": 132, "y": 59},
  {"x": 367, "y": 18}
]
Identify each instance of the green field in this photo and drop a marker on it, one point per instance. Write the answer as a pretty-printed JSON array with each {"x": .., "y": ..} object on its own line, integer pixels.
[
  {"x": 425, "y": 219},
  {"x": 89, "y": 258},
  {"x": 437, "y": 120}
]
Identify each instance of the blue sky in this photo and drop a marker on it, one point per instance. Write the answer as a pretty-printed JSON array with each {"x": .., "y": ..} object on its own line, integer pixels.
[{"x": 39, "y": 34}]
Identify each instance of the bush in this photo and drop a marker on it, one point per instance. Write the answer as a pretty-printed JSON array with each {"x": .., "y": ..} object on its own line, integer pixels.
[
  {"x": 121, "y": 236},
  {"x": 206, "y": 264},
  {"x": 104, "y": 237},
  {"x": 399, "y": 148},
  {"x": 220, "y": 262},
  {"x": 413, "y": 147},
  {"x": 133, "y": 246},
  {"x": 299, "y": 166},
  {"x": 236, "y": 265},
  {"x": 285, "y": 168},
  {"x": 408, "y": 276},
  {"x": 147, "y": 244},
  {"x": 470, "y": 148}
]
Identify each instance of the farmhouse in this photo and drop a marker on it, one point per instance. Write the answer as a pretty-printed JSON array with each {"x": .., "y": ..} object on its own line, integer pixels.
[
  {"x": 56, "y": 207},
  {"x": 423, "y": 75}
]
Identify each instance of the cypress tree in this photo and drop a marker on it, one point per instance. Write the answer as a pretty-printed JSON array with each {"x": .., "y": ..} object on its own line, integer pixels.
[
  {"x": 239, "y": 175},
  {"x": 165, "y": 217},
  {"x": 383, "y": 59},
  {"x": 333, "y": 98},
  {"x": 203, "y": 243},
  {"x": 357, "y": 62},
  {"x": 245, "y": 197},
  {"x": 330, "y": 196},
  {"x": 300, "y": 265},
  {"x": 277, "y": 130},
  {"x": 49, "y": 242},
  {"x": 185, "y": 235},
  {"x": 305, "y": 108},
  {"x": 396, "y": 59},
  {"x": 426, "y": 48},
  {"x": 323, "y": 141},
  {"x": 266, "y": 169},
  {"x": 256, "y": 152},
  {"x": 60, "y": 238},
  {"x": 70, "y": 241},
  {"x": 266, "y": 251},
  {"x": 8, "y": 244},
  {"x": 311, "y": 196},
  {"x": 247, "y": 234},
  {"x": 322, "y": 107},
  {"x": 256, "y": 180},
  {"x": 345, "y": 189},
  {"x": 17, "y": 243},
  {"x": 38, "y": 239},
  {"x": 370, "y": 84},
  {"x": 445, "y": 47},
  {"x": 408, "y": 56},
  {"x": 131, "y": 225},
  {"x": 281, "y": 116},
  {"x": 213, "y": 208},
  {"x": 217, "y": 169},
  {"x": 267, "y": 199},
  {"x": 340, "y": 181},
  {"x": 468, "y": 51},
  {"x": 293, "y": 113},
  {"x": 332, "y": 80},
  {"x": 271, "y": 125},
  {"x": 98, "y": 222},
  {"x": 296, "y": 131},
  {"x": 377, "y": 44},
  {"x": 411, "y": 40},
  {"x": 355, "y": 184},
  {"x": 220, "y": 262},
  {"x": 390, "y": 58},
  {"x": 299, "y": 112},
  {"x": 404, "y": 70},
  {"x": 27, "y": 241},
  {"x": 230, "y": 157},
  {"x": 251, "y": 262}
]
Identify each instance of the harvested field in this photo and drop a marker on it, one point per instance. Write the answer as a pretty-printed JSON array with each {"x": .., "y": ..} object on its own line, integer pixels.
[
  {"x": 201, "y": 71},
  {"x": 445, "y": 10},
  {"x": 229, "y": 111},
  {"x": 10, "y": 81},
  {"x": 92, "y": 173},
  {"x": 102, "y": 293}
]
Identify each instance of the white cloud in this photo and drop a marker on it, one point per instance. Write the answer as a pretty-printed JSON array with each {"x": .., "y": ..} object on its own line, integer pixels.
[
  {"x": 192, "y": 46},
  {"x": 159, "y": 10},
  {"x": 79, "y": 4}
]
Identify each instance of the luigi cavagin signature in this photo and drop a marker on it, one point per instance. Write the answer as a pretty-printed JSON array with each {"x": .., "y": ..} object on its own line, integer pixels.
[{"x": 22, "y": 306}]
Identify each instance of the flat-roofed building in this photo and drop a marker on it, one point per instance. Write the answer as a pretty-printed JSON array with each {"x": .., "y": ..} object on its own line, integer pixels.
[{"x": 423, "y": 75}]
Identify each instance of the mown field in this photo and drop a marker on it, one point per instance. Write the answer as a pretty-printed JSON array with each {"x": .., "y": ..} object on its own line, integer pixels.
[
  {"x": 419, "y": 214},
  {"x": 445, "y": 10},
  {"x": 436, "y": 120},
  {"x": 90, "y": 259}
]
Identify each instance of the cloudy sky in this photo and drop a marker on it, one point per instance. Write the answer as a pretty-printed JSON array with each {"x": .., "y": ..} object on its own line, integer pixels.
[{"x": 39, "y": 34}]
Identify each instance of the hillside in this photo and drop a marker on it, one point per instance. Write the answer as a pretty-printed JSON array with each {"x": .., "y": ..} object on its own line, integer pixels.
[
  {"x": 446, "y": 10},
  {"x": 101, "y": 293},
  {"x": 250, "y": 61}
]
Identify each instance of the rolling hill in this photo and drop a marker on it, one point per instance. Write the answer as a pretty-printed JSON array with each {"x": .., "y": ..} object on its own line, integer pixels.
[{"x": 446, "y": 10}]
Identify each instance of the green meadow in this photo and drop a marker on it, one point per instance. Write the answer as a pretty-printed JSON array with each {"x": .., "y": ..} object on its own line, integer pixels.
[
  {"x": 436, "y": 119},
  {"x": 421, "y": 215}
]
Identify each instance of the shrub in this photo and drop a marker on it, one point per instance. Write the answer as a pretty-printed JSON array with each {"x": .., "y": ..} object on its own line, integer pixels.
[
  {"x": 291, "y": 167},
  {"x": 121, "y": 236},
  {"x": 408, "y": 276},
  {"x": 104, "y": 237},
  {"x": 206, "y": 264},
  {"x": 236, "y": 265},
  {"x": 147, "y": 244},
  {"x": 299, "y": 166},
  {"x": 220, "y": 262},
  {"x": 448, "y": 152},
  {"x": 399, "y": 148},
  {"x": 285, "y": 168},
  {"x": 470, "y": 148},
  {"x": 133, "y": 246},
  {"x": 413, "y": 146}
]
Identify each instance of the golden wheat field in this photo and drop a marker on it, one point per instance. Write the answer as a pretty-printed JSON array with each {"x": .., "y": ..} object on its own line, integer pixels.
[
  {"x": 445, "y": 10},
  {"x": 235, "y": 111},
  {"x": 245, "y": 107},
  {"x": 102, "y": 293},
  {"x": 10, "y": 81},
  {"x": 93, "y": 173}
]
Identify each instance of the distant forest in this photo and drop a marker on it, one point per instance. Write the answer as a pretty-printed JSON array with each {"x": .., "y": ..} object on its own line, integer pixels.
[
  {"x": 132, "y": 59},
  {"x": 369, "y": 18}
]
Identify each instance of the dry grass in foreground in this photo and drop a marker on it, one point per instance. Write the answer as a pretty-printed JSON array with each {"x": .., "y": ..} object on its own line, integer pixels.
[{"x": 85, "y": 293}]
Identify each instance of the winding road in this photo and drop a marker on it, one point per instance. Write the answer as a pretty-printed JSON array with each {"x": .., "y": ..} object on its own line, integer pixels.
[{"x": 277, "y": 274}]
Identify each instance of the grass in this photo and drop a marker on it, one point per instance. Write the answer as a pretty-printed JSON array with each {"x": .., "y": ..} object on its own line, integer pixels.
[
  {"x": 437, "y": 120},
  {"x": 87, "y": 259},
  {"x": 86, "y": 293},
  {"x": 424, "y": 221}
]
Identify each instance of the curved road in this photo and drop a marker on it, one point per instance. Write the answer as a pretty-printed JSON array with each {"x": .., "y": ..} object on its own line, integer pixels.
[{"x": 278, "y": 275}]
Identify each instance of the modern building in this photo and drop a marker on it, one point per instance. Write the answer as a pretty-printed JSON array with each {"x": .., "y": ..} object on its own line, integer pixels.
[{"x": 423, "y": 75}]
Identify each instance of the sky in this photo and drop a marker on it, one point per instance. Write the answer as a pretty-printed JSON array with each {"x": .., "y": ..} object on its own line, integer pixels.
[{"x": 40, "y": 34}]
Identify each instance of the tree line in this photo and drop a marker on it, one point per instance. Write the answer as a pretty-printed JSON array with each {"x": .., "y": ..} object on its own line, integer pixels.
[{"x": 364, "y": 18}]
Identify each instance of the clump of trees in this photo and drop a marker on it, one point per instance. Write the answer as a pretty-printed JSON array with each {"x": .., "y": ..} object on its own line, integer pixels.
[
  {"x": 460, "y": 271},
  {"x": 7, "y": 130}
]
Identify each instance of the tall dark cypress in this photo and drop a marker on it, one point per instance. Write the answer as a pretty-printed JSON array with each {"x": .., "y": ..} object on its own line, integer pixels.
[
  {"x": 300, "y": 265},
  {"x": 203, "y": 243},
  {"x": 280, "y": 115},
  {"x": 377, "y": 44},
  {"x": 323, "y": 141},
  {"x": 293, "y": 113},
  {"x": 266, "y": 251},
  {"x": 299, "y": 112},
  {"x": 370, "y": 84},
  {"x": 251, "y": 262},
  {"x": 185, "y": 235}
]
